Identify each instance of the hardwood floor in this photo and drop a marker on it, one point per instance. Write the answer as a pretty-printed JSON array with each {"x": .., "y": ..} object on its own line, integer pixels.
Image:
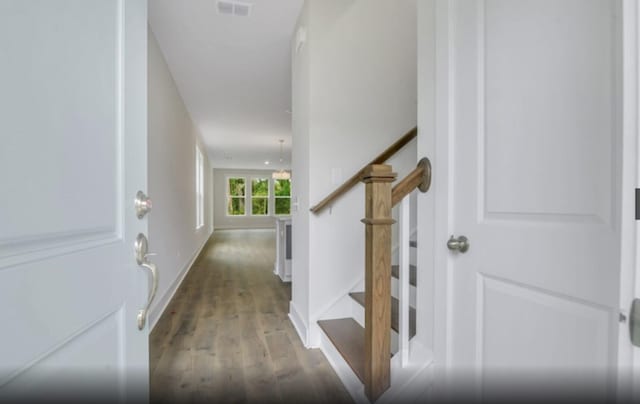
[{"x": 226, "y": 337}]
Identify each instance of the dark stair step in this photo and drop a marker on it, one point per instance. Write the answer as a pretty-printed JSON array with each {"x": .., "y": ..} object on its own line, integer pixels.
[
  {"x": 348, "y": 338},
  {"x": 413, "y": 243},
  {"x": 413, "y": 273},
  {"x": 395, "y": 310}
]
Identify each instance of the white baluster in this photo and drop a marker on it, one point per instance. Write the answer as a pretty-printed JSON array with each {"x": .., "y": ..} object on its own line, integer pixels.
[{"x": 403, "y": 292}]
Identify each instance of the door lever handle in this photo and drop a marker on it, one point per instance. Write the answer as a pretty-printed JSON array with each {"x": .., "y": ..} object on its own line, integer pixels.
[
  {"x": 142, "y": 313},
  {"x": 142, "y": 259}
]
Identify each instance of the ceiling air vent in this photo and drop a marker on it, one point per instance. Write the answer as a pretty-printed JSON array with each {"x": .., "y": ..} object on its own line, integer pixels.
[{"x": 231, "y": 7}]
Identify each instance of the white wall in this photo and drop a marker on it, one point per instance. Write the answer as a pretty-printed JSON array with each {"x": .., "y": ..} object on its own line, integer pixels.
[
  {"x": 172, "y": 222},
  {"x": 426, "y": 219},
  {"x": 300, "y": 101},
  {"x": 222, "y": 221},
  {"x": 354, "y": 93}
]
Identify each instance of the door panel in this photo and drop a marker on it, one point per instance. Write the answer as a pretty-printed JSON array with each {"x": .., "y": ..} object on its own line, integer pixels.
[
  {"x": 77, "y": 364},
  {"x": 536, "y": 160},
  {"x": 73, "y": 154},
  {"x": 61, "y": 117},
  {"x": 548, "y": 98},
  {"x": 547, "y": 334},
  {"x": 582, "y": 325}
]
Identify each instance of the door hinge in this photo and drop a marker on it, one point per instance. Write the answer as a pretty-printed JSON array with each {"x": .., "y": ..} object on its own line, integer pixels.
[{"x": 637, "y": 203}]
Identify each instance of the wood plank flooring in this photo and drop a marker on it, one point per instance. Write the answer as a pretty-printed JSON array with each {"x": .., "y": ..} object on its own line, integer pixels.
[{"x": 226, "y": 337}]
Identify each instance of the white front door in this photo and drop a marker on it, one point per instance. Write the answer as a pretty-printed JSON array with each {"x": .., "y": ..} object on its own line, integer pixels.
[
  {"x": 72, "y": 157},
  {"x": 536, "y": 167}
]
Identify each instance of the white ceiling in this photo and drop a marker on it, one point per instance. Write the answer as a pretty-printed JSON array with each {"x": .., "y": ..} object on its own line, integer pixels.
[{"x": 234, "y": 74}]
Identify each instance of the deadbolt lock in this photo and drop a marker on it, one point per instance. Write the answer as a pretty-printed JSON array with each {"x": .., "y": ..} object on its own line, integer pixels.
[{"x": 143, "y": 204}]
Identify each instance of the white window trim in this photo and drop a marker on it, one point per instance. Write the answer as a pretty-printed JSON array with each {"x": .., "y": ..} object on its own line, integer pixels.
[
  {"x": 228, "y": 195},
  {"x": 199, "y": 188}
]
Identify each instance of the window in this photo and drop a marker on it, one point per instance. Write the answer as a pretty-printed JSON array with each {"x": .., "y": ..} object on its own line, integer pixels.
[
  {"x": 199, "y": 188},
  {"x": 235, "y": 196},
  {"x": 260, "y": 196},
  {"x": 282, "y": 191}
]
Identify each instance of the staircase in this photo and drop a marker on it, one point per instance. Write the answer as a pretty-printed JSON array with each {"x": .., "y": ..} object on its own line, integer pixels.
[
  {"x": 347, "y": 334},
  {"x": 367, "y": 343}
]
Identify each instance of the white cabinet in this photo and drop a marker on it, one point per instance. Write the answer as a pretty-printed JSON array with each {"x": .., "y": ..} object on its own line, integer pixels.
[{"x": 282, "y": 266}]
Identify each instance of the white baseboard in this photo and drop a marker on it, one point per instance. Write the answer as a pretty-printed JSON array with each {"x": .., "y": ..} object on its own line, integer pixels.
[
  {"x": 156, "y": 312},
  {"x": 298, "y": 323}
]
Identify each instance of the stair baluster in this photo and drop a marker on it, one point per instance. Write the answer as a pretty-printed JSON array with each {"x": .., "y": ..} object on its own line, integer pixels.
[{"x": 403, "y": 290}]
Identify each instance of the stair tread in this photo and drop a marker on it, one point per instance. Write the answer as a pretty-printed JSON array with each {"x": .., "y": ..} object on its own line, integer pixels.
[
  {"x": 395, "y": 310},
  {"x": 413, "y": 274},
  {"x": 348, "y": 338},
  {"x": 413, "y": 243}
]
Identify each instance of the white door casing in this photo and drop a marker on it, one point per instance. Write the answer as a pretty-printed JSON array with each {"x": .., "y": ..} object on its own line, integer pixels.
[
  {"x": 72, "y": 157},
  {"x": 528, "y": 96}
]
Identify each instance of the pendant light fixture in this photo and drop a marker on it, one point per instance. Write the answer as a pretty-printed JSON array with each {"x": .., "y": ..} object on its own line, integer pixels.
[{"x": 281, "y": 174}]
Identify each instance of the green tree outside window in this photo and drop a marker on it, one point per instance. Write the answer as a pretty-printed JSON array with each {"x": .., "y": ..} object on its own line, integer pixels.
[
  {"x": 235, "y": 198},
  {"x": 282, "y": 190},
  {"x": 260, "y": 196}
]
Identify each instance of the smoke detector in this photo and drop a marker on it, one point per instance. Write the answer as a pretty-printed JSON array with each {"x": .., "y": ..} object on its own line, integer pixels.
[{"x": 232, "y": 7}]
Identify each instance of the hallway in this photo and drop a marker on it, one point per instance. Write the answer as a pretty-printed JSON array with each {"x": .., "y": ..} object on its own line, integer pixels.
[{"x": 226, "y": 337}]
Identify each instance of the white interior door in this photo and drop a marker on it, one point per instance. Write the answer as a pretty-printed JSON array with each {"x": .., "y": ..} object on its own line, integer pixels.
[
  {"x": 536, "y": 152},
  {"x": 628, "y": 354},
  {"x": 72, "y": 156}
]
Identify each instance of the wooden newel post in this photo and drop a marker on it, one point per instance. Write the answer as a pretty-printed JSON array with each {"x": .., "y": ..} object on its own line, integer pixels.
[{"x": 378, "y": 221}]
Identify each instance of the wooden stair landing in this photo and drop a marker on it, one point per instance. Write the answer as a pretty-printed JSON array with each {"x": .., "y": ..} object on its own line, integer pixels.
[
  {"x": 348, "y": 338},
  {"x": 413, "y": 274},
  {"x": 395, "y": 311}
]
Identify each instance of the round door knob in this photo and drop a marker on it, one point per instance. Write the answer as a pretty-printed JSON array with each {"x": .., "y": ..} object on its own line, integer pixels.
[
  {"x": 143, "y": 204},
  {"x": 460, "y": 244}
]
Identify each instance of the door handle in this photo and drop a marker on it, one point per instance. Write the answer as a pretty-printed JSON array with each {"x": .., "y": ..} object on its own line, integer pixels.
[
  {"x": 460, "y": 244},
  {"x": 634, "y": 322},
  {"x": 142, "y": 313},
  {"x": 142, "y": 258}
]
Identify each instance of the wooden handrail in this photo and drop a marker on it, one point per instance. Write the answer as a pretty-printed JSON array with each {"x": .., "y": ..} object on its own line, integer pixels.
[
  {"x": 419, "y": 178},
  {"x": 351, "y": 182}
]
